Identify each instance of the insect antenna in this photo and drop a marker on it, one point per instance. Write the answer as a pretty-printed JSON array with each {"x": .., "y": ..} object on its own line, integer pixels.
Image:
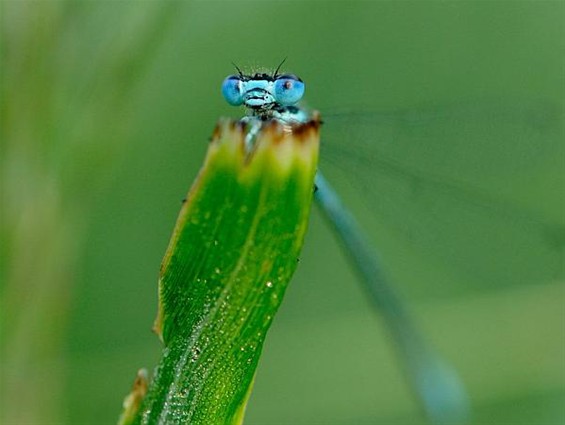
[
  {"x": 278, "y": 68},
  {"x": 238, "y": 70}
]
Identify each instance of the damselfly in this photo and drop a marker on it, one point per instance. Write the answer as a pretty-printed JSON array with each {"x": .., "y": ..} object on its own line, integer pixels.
[{"x": 275, "y": 97}]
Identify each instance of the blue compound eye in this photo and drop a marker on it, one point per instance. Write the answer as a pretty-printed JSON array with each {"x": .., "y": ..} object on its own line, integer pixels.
[
  {"x": 288, "y": 89},
  {"x": 232, "y": 90}
]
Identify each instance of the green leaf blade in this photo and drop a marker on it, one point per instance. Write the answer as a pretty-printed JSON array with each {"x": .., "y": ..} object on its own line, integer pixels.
[{"x": 232, "y": 254}]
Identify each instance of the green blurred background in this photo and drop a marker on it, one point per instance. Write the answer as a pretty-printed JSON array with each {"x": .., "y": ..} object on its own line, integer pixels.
[{"x": 106, "y": 109}]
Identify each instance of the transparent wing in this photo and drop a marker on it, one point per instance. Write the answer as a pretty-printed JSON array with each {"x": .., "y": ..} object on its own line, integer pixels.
[{"x": 476, "y": 187}]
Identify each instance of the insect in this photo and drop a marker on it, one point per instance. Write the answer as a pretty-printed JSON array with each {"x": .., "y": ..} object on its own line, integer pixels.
[{"x": 530, "y": 126}]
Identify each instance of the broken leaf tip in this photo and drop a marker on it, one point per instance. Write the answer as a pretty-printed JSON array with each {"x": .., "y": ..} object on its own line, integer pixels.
[
  {"x": 133, "y": 400},
  {"x": 300, "y": 132},
  {"x": 273, "y": 130}
]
